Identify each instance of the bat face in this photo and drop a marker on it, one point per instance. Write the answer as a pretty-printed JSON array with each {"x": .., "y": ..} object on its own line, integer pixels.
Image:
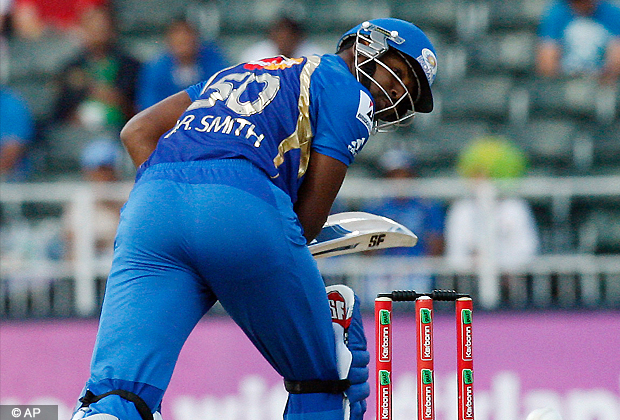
[{"x": 350, "y": 232}]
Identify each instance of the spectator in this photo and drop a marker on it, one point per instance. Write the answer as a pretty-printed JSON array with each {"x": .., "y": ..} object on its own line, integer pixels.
[
  {"x": 6, "y": 9},
  {"x": 98, "y": 85},
  {"x": 17, "y": 132},
  {"x": 100, "y": 161},
  {"x": 424, "y": 217},
  {"x": 502, "y": 229},
  {"x": 186, "y": 61},
  {"x": 32, "y": 19},
  {"x": 286, "y": 37},
  {"x": 580, "y": 37},
  {"x": 5, "y": 32}
]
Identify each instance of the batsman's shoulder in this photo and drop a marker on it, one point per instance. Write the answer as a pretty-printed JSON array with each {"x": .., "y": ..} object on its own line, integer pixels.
[
  {"x": 333, "y": 74},
  {"x": 347, "y": 99}
]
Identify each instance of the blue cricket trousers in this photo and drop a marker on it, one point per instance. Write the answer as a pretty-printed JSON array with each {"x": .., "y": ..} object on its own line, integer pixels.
[{"x": 194, "y": 233}]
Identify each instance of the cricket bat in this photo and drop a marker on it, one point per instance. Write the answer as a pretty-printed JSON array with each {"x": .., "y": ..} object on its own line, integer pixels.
[{"x": 356, "y": 231}]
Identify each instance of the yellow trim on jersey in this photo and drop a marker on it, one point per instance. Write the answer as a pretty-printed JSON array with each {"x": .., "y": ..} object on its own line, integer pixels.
[{"x": 302, "y": 136}]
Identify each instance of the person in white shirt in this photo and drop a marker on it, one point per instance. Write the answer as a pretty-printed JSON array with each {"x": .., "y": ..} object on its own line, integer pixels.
[{"x": 497, "y": 235}]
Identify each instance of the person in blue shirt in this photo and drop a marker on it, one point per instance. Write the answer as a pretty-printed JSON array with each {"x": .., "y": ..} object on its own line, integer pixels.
[
  {"x": 580, "y": 37},
  {"x": 17, "y": 131},
  {"x": 236, "y": 175},
  {"x": 186, "y": 61},
  {"x": 424, "y": 217}
]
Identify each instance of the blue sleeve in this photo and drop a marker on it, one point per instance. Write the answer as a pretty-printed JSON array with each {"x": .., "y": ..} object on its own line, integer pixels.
[
  {"x": 553, "y": 21},
  {"x": 145, "y": 89},
  {"x": 435, "y": 218},
  {"x": 343, "y": 121},
  {"x": 609, "y": 15},
  {"x": 16, "y": 120},
  {"x": 195, "y": 90}
]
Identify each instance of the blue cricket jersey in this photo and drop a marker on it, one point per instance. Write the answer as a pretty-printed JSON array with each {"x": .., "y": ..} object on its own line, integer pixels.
[
  {"x": 583, "y": 39},
  {"x": 273, "y": 112},
  {"x": 210, "y": 219}
]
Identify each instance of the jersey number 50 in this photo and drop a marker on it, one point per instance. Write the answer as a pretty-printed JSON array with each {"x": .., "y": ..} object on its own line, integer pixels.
[{"x": 230, "y": 88}]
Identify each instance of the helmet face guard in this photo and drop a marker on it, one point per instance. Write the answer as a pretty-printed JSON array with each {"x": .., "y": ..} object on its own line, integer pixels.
[
  {"x": 372, "y": 41},
  {"x": 369, "y": 46}
]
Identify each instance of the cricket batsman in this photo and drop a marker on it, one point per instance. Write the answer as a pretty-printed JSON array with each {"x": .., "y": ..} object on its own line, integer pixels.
[{"x": 236, "y": 175}]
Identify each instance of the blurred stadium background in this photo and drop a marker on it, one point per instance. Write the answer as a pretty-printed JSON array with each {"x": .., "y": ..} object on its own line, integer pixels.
[{"x": 548, "y": 337}]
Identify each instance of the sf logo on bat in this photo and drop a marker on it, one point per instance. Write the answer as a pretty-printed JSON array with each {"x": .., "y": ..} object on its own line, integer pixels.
[{"x": 376, "y": 240}]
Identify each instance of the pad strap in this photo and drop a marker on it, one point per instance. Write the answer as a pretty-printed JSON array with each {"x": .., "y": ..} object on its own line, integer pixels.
[
  {"x": 141, "y": 406},
  {"x": 317, "y": 386}
]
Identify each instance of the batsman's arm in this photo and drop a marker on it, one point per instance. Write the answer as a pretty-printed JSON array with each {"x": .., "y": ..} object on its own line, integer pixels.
[
  {"x": 318, "y": 191},
  {"x": 141, "y": 134},
  {"x": 548, "y": 57},
  {"x": 611, "y": 70}
]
